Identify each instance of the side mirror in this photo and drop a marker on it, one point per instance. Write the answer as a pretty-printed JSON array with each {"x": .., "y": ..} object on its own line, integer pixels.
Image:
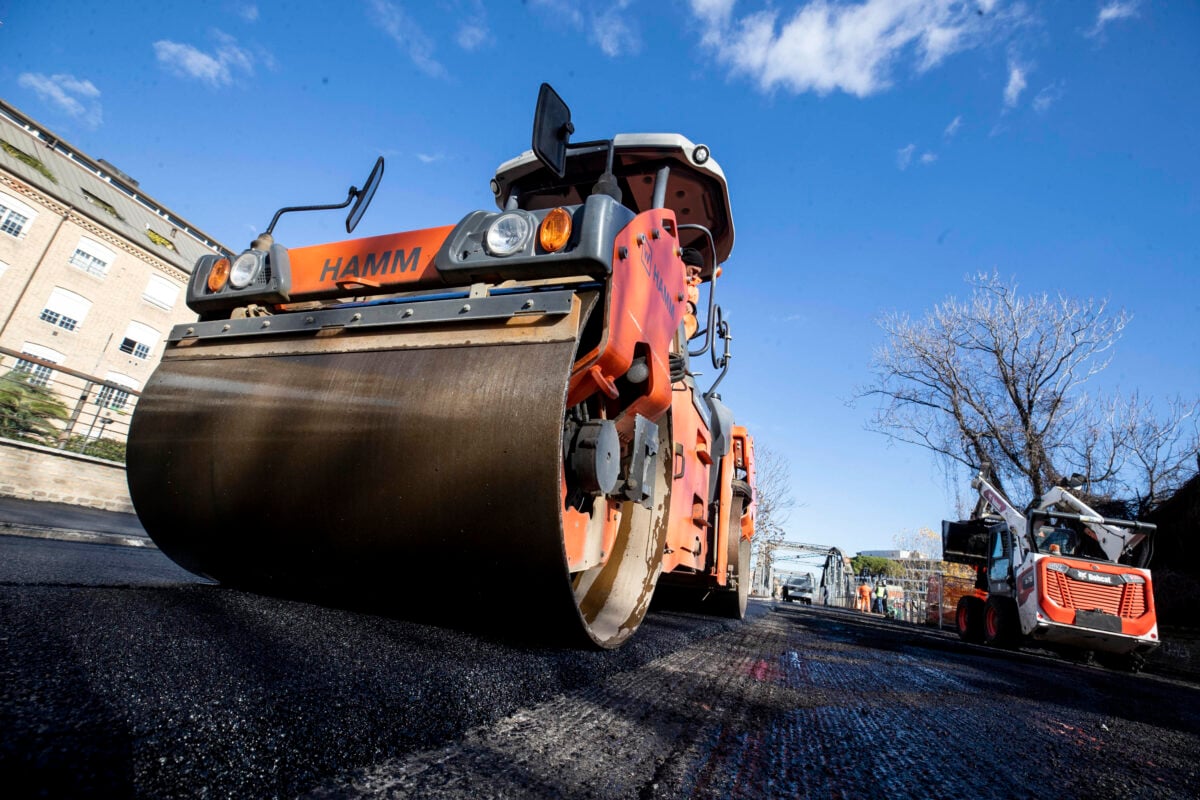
[
  {"x": 552, "y": 129},
  {"x": 363, "y": 196}
]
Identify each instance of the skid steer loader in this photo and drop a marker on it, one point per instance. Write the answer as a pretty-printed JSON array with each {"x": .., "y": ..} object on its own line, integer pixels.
[{"x": 1060, "y": 575}]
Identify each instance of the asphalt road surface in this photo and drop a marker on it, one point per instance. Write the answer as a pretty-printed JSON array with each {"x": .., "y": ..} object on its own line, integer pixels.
[{"x": 121, "y": 675}]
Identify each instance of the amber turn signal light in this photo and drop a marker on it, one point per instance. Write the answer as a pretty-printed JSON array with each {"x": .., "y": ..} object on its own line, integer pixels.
[
  {"x": 218, "y": 275},
  {"x": 555, "y": 230}
]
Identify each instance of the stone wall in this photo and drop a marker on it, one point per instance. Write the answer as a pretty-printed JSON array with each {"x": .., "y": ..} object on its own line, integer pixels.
[{"x": 33, "y": 472}]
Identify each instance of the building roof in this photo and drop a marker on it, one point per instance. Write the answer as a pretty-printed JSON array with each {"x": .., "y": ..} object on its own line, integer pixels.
[{"x": 98, "y": 190}]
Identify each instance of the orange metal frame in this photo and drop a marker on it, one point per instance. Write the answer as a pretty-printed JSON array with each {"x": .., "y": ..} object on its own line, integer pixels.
[
  {"x": 644, "y": 305},
  {"x": 375, "y": 265}
]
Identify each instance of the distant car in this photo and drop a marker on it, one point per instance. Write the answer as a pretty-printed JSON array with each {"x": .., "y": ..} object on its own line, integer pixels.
[{"x": 799, "y": 587}]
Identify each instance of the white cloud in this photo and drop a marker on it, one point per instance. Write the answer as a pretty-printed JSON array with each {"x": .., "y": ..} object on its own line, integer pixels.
[
  {"x": 904, "y": 156},
  {"x": 427, "y": 158},
  {"x": 78, "y": 98},
  {"x": 713, "y": 12},
  {"x": 606, "y": 22},
  {"x": 473, "y": 31},
  {"x": 472, "y": 37},
  {"x": 1111, "y": 12},
  {"x": 1016, "y": 84},
  {"x": 825, "y": 47},
  {"x": 405, "y": 32},
  {"x": 611, "y": 32},
  {"x": 953, "y": 127},
  {"x": 1048, "y": 96},
  {"x": 216, "y": 69},
  {"x": 928, "y": 158},
  {"x": 248, "y": 12}
]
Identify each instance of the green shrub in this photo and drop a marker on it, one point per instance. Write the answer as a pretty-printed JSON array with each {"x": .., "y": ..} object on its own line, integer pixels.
[{"x": 28, "y": 411}]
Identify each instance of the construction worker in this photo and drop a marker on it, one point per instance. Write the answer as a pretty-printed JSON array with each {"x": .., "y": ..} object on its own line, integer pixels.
[
  {"x": 864, "y": 597},
  {"x": 880, "y": 594}
]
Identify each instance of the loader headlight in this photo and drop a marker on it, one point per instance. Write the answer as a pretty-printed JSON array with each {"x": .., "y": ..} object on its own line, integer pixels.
[
  {"x": 245, "y": 268},
  {"x": 508, "y": 234}
]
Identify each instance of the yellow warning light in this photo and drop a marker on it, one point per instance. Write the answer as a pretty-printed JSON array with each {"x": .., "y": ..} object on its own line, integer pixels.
[
  {"x": 218, "y": 275},
  {"x": 555, "y": 230}
]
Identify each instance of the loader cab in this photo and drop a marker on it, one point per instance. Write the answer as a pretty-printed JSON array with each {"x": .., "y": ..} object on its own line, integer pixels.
[
  {"x": 695, "y": 190},
  {"x": 1058, "y": 541},
  {"x": 1000, "y": 561}
]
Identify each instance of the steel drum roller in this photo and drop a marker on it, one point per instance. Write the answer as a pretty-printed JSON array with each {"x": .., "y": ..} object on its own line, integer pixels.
[{"x": 401, "y": 472}]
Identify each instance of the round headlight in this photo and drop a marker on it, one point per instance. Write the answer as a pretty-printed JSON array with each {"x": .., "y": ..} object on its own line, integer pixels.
[
  {"x": 508, "y": 234},
  {"x": 245, "y": 267}
]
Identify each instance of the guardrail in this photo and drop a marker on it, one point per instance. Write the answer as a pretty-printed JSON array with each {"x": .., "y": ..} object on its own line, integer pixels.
[{"x": 51, "y": 405}]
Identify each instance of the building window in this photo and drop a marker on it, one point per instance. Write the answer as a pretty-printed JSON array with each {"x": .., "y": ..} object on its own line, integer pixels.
[
  {"x": 15, "y": 216},
  {"x": 27, "y": 159},
  {"x": 103, "y": 205},
  {"x": 54, "y": 318},
  {"x": 135, "y": 347},
  {"x": 112, "y": 397},
  {"x": 159, "y": 239},
  {"x": 39, "y": 374},
  {"x": 139, "y": 340},
  {"x": 116, "y": 397},
  {"x": 92, "y": 257},
  {"x": 65, "y": 309},
  {"x": 161, "y": 292}
]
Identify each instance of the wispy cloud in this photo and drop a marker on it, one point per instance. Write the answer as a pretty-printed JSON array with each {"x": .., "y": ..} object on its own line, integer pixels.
[
  {"x": 473, "y": 32},
  {"x": 953, "y": 127},
  {"x": 905, "y": 156},
  {"x": 606, "y": 22},
  {"x": 78, "y": 98},
  {"x": 611, "y": 31},
  {"x": 471, "y": 36},
  {"x": 428, "y": 158},
  {"x": 1017, "y": 82},
  {"x": 1048, "y": 96},
  {"x": 247, "y": 11},
  {"x": 217, "y": 68},
  {"x": 1111, "y": 12},
  {"x": 407, "y": 35},
  {"x": 854, "y": 48}
]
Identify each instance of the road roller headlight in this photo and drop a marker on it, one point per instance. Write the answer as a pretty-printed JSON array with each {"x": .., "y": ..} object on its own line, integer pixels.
[
  {"x": 218, "y": 274},
  {"x": 555, "y": 230},
  {"x": 245, "y": 268},
  {"x": 509, "y": 233}
]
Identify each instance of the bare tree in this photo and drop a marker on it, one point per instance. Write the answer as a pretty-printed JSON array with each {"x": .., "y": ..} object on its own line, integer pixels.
[
  {"x": 1162, "y": 450},
  {"x": 997, "y": 378},
  {"x": 772, "y": 490}
]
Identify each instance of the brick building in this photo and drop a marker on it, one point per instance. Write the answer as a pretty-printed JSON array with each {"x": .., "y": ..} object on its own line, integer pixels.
[{"x": 92, "y": 269}]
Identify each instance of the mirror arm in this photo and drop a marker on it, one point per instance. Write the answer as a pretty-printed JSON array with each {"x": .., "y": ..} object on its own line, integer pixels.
[{"x": 349, "y": 198}]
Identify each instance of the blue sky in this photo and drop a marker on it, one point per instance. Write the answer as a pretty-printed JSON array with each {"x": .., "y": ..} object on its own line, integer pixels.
[{"x": 877, "y": 153}]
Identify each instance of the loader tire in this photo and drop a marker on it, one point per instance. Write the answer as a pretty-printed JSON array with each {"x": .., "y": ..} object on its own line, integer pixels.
[
  {"x": 1000, "y": 625},
  {"x": 968, "y": 619}
]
